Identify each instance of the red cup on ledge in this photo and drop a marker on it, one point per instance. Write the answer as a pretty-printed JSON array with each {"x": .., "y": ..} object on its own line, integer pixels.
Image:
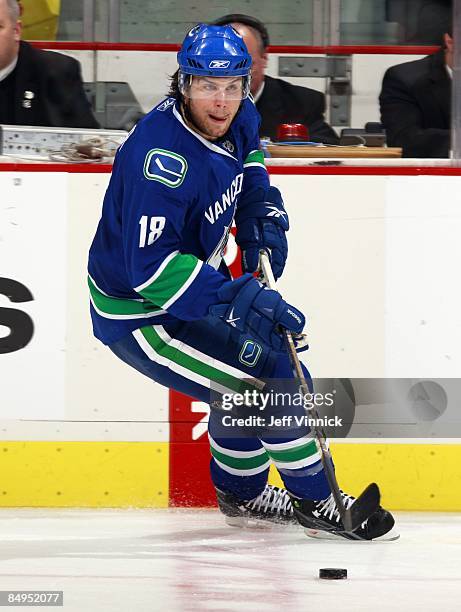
[{"x": 292, "y": 132}]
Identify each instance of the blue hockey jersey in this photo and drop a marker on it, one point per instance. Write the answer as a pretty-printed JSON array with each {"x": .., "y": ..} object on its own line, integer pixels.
[{"x": 166, "y": 218}]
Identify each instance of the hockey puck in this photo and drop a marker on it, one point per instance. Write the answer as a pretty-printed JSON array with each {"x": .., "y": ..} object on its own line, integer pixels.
[{"x": 333, "y": 573}]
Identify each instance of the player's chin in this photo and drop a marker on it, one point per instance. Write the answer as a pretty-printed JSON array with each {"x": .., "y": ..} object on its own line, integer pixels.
[
  {"x": 219, "y": 125},
  {"x": 216, "y": 131}
]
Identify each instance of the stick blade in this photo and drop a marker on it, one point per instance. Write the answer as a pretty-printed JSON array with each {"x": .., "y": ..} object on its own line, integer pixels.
[{"x": 364, "y": 506}]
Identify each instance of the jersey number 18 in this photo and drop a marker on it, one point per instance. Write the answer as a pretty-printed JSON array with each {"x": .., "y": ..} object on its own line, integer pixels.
[{"x": 156, "y": 228}]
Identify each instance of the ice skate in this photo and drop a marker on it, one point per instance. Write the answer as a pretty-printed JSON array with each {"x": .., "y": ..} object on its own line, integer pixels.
[
  {"x": 321, "y": 520},
  {"x": 273, "y": 505}
]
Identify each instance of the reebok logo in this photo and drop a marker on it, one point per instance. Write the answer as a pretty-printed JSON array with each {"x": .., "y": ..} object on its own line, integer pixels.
[
  {"x": 165, "y": 105},
  {"x": 219, "y": 64},
  {"x": 275, "y": 212},
  {"x": 231, "y": 320},
  {"x": 294, "y": 315}
]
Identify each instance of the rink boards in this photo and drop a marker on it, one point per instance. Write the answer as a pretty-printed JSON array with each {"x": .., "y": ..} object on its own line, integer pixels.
[{"x": 373, "y": 263}]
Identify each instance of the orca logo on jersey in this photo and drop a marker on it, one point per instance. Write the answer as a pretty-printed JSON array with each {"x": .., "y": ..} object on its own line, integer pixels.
[
  {"x": 227, "y": 200},
  {"x": 166, "y": 167}
]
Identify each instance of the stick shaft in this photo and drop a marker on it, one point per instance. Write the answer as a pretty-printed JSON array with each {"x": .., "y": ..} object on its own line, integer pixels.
[{"x": 325, "y": 454}]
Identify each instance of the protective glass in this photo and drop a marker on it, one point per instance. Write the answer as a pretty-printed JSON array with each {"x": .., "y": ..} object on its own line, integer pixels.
[{"x": 227, "y": 88}]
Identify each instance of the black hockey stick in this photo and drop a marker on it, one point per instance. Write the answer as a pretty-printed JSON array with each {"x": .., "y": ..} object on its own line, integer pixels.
[{"x": 368, "y": 502}]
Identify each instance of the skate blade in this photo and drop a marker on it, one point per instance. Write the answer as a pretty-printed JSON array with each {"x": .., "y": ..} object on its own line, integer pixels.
[
  {"x": 316, "y": 534},
  {"x": 244, "y": 522}
]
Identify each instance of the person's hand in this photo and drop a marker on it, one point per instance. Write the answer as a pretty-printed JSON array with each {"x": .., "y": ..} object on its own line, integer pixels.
[
  {"x": 252, "y": 308},
  {"x": 262, "y": 222}
]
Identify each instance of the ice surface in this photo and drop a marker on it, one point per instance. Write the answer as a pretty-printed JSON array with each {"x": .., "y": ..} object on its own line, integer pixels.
[{"x": 169, "y": 560}]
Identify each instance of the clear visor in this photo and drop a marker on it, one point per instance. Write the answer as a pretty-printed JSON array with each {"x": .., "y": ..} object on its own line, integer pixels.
[{"x": 204, "y": 87}]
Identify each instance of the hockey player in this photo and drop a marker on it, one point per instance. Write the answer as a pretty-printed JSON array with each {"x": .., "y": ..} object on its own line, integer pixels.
[{"x": 163, "y": 300}]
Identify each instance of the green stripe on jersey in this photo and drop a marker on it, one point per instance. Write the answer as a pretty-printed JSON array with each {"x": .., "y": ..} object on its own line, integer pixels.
[
  {"x": 240, "y": 463},
  {"x": 119, "y": 306},
  {"x": 171, "y": 280},
  {"x": 191, "y": 363},
  {"x": 294, "y": 454},
  {"x": 255, "y": 157}
]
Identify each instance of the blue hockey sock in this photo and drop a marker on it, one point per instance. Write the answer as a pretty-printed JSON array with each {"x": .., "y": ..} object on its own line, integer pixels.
[{"x": 295, "y": 453}]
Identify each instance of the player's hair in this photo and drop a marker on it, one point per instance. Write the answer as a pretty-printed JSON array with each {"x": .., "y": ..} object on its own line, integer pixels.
[
  {"x": 257, "y": 27},
  {"x": 174, "y": 86},
  {"x": 14, "y": 9}
]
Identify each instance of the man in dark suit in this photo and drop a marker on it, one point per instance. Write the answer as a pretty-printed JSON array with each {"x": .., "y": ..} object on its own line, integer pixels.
[
  {"x": 276, "y": 100},
  {"x": 38, "y": 87},
  {"x": 415, "y": 103}
]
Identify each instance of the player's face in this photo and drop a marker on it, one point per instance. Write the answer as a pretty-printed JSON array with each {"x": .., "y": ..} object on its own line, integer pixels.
[
  {"x": 10, "y": 33},
  {"x": 213, "y": 103}
]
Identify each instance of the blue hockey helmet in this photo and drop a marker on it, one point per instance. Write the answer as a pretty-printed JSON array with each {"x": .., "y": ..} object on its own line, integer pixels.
[{"x": 214, "y": 51}]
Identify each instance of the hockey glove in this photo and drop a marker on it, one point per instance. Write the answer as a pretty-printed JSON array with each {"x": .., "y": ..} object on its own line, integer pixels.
[
  {"x": 261, "y": 224},
  {"x": 257, "y": 310}
]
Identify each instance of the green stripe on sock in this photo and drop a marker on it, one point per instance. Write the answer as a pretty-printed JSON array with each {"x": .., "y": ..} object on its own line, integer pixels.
[
  {"x": 119, "y": 306},
  {"x": 294, "y": 454},
  {"x": 193, "y": 364},
  {"x": 240, "y": 463},
  {"x": 171, "y": 279}
]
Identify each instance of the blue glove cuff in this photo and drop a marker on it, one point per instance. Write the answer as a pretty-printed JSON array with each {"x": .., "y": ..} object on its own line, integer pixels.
[{"x": 263, "y": 204}]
